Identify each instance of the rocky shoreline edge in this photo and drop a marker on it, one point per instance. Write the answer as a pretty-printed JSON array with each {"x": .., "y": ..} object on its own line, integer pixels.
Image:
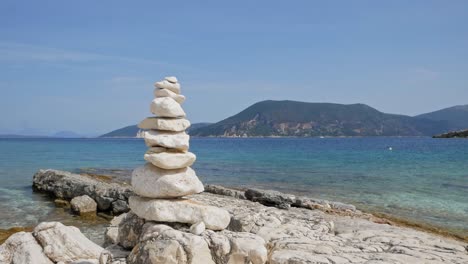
[{"x": 266, "y": 227}]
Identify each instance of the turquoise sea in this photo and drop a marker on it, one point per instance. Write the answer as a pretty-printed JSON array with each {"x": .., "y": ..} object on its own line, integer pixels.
[{"x": 423, "y": 180}]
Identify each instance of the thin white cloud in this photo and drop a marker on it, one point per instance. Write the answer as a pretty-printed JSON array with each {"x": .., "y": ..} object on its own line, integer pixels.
[
  {"x": 425, "y": 74},
  {"x": 17, "y": 52}
]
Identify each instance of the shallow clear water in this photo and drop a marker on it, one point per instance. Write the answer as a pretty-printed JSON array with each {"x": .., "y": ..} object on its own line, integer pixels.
[{"x": 421, "y": 179}]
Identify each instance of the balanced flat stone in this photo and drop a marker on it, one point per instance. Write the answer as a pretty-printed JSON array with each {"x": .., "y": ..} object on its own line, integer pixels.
[
  {"x": 167, "y": 124},
  {"x": 175, "y": 87},
  {"x": 153, "y": 182},
  {"x": 174, "y": 140},
  {"x": 169, "y": 160},
  {"x": 158, "y": 92},
  {"x": 166, "y": 107},
  {"x": 180, "y": 211},
  {"x": 171, "y": 79}
]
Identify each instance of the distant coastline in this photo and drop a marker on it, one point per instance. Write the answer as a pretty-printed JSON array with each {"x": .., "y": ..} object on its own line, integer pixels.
[{"x": 303, "y": 119}]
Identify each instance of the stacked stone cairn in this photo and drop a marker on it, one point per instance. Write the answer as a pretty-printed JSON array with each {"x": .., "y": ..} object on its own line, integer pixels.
[{"x": 163, "y": 182}]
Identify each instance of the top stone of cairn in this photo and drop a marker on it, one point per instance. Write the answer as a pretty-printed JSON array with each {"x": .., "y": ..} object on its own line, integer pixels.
[
  {"x": 171, "y": 79},
  {"x": 169, "y": 85}
]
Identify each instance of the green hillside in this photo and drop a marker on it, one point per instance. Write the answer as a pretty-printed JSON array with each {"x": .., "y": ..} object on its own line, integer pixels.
[
  {"x": 456, "y": 116},
  {"x": 290, "y": 118}
]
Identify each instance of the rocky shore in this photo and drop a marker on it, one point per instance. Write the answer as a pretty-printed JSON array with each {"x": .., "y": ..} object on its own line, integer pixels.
[{"x": 265, "y": 227}]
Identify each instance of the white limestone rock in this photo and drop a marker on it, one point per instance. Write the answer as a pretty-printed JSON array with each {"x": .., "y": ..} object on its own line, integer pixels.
[
  {"x": 174, "y": 87},
  {"x": 65, "y": 243},
  {"x": 83, "y": 205},
  {"x": 236, "y": 247},
  {"x": 166, "y": 107},
  {"x": 166, "y": 124},
  {"x": 158, "y": 92},
  {"x": 153, "y": 182},
  {"x": 173, "y": 140},
  {"x": 197, "y": 228},
  {"x": 180, "y": 211},
  {"x": 22, "y": 248},
  {"x": 112, "y": 231},
  {"x": 162, "y": 244},
  {"x": 166, "y": 159},
  {"x": 171, "y": 79}
]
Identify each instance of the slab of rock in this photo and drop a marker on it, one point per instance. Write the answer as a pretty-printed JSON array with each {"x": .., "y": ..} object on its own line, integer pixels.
[
  {"x": 153, "y": 182},
  {"x": 168, "y": 93},
  {"x": 166, "y": 107},
  {"x": 83, "y": 205},
  {"x": 65, "y": 243},
  {"x": 180, "y": 211},
  {"x": 66, "y": 185},
  {"x": 167, "y": 124},
  {"x": 216, "y": 189},
  {"x": 22, "y": 248},
  {"x": 169, "y": 160},
  {"x": 174, "y": 87},
  {"x": 173, "y": 140},
  {"x": 270, "y": 198}
]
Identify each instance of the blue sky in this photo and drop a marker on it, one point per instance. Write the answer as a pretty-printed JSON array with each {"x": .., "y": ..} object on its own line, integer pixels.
[{"x": 89, "y": 66}]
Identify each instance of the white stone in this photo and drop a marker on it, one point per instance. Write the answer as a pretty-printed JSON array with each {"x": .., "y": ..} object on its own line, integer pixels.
[
  {"x": 247, "y": 246},
  {"x": 167, "y": 124},
  {"x": 169, "y": 160},
  {"x": 162, "y": 244},
  {"x": 65, "y": 243},
  {"x": 166, "y": 107},
  {"x": 197, "y": 228},
  {"x": 22, "y": 248},
  {"x": 180, "y": 211},
  {"x": 83, "y": 204},
  {"x": 237, "y": 247},
  {"x": 151, "y": 181},
  {"x": 158, "y": 92},
  {"x": 171, "y": 79},
  {"x": 174, "y": 140},
  {"x": 175, "y": 87}
]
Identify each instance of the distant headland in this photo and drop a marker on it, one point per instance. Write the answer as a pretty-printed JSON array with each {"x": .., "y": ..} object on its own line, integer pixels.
[{"x": 302, "y": 119}]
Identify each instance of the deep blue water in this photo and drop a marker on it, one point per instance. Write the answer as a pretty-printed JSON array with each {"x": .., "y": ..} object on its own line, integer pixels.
[{"x": 420, "y": 179}]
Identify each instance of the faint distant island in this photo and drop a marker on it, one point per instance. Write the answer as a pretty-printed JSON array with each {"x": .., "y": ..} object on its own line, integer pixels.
[
  {"x": 60, "y": 134},
  {"x": 302, "y": 119},
  {"x": 66, "y": 134},
  {"x": 21, "y": 136}
]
